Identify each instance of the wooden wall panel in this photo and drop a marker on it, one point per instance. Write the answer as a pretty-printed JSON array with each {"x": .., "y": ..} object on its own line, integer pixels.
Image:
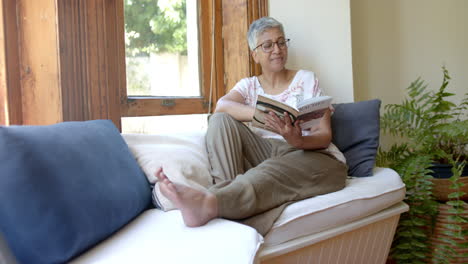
[
  {"x": 236, "y": 49},
  {"x": 256, "y": 10},
  {"x": 211, "y": 66},
  {"x": 39, "y": 62},
  {"x": 60, "y": 61},
  {"x": 97, "y": 72},
  {"x": 4, "y": 117},
  {"x": 115, "y": 51},
  {"x": 89, "y": 54},
  {"x": 73, "y": 66},
  {"x": 10, "y": 87},
  {"x": 237, "y": 17}
]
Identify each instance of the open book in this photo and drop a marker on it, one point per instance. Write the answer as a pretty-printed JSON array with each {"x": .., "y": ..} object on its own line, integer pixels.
[{"x": 309, "y": 110}]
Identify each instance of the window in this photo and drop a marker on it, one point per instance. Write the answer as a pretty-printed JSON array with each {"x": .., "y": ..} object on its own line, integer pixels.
[
  {"x": 161, "y": 47},
  {"x": 223, "y": 58},
  {"x": 171, "y": 66}
]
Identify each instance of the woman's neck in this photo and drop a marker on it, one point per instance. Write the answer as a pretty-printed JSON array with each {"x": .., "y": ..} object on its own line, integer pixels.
[{"x": 275, "y": 82}]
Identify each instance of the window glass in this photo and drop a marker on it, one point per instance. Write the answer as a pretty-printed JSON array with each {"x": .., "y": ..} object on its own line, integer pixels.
[{"x": 161, "y": 47}]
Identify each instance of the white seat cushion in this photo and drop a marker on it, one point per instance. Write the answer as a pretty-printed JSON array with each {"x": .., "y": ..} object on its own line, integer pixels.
[
  {"x": 361, "y": 197},
  {"x": 161, "y": 237}
]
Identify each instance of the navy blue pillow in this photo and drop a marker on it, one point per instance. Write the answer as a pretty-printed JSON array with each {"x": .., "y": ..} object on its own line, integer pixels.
[
  {"x": 356, "y": 128},
  {"x": 66, "y": 187}
]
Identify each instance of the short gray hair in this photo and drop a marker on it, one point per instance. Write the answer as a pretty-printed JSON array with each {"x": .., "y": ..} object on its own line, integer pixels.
[{"x": 259, "y": 26}]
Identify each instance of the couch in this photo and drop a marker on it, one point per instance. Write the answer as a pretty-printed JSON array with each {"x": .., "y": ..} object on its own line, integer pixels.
[{"x": 81, "y": 192}]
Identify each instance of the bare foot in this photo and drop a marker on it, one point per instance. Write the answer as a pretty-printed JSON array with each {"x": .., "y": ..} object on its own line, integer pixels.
[{"x": 197, "y": 207}]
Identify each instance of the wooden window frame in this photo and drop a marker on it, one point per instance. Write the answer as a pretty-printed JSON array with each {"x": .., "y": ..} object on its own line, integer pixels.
[
  {"x": 10, "y": 87},
  {"x": 86, "y": 43},
  {"x": 211, "y": 70},
  {"x": 237, "y": 17}
]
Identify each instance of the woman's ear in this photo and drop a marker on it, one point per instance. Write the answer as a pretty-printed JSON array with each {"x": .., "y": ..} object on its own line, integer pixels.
[{"x": 254, "y": 56}]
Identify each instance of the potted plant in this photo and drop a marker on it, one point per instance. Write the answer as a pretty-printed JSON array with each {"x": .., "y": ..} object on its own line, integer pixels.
[{"x": 432, "y": 132}]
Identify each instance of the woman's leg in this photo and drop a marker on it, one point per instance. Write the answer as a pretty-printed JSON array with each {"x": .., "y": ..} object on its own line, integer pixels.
[
  {"x": 197, "y": 207},
  {"x": 258, "y": 196},
  {"x": 289, "y": 175},
  {"x": 233, "y": 148}
]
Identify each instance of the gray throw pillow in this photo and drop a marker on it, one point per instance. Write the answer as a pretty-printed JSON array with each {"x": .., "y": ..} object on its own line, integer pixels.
[{"x": 356, "y": 129}]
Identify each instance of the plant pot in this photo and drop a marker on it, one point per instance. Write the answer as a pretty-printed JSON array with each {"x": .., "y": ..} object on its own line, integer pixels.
[
  {"x": 439, "y": 236},
  {"x": 444, "y": 171},
  {"x": 441, "y": 180},
  {"x": 441, "y": 188}
]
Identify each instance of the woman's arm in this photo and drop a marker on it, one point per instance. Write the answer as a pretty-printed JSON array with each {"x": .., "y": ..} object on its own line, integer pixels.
[
  {"x": 319, "y": 139},
  {"x": 233, "y": 104}
]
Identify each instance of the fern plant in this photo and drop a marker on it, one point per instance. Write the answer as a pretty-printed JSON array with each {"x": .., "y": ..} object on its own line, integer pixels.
[{"x": 431, "y": 129}]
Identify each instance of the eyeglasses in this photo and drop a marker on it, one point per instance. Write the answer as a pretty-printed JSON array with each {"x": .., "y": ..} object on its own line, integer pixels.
[{"x": 269, "y": 46}]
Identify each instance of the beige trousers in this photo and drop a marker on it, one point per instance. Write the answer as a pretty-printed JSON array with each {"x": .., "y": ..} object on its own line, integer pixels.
[{"x": 256, "y": 178}]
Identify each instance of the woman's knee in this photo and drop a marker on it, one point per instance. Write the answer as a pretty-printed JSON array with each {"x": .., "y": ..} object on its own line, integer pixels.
[
  {"x": 220, "y": 118},
  {"x": 221, "y": 122},
  {"x": 340, "y": 172}
]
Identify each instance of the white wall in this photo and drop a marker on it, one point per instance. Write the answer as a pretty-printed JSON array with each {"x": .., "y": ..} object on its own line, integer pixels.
[
  {"x": 320, "y": 34},
  {"x": 397, "y": 41}
]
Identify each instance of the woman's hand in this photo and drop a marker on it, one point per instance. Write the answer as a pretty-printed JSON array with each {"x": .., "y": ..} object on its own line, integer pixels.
[{"x": 292, "y": 133}]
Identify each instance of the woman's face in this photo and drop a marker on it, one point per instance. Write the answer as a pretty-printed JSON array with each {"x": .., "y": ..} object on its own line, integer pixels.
[{"x": 274, "y": 60}]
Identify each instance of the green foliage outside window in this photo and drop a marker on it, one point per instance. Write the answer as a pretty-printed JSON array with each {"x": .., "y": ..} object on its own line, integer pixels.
[
  {"x": 151, "y": 27},
  {"x": 154, "y": 26}
]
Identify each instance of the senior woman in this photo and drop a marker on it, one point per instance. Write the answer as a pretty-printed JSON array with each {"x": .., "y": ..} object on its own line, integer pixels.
[{"x": 257, "y": 173}]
